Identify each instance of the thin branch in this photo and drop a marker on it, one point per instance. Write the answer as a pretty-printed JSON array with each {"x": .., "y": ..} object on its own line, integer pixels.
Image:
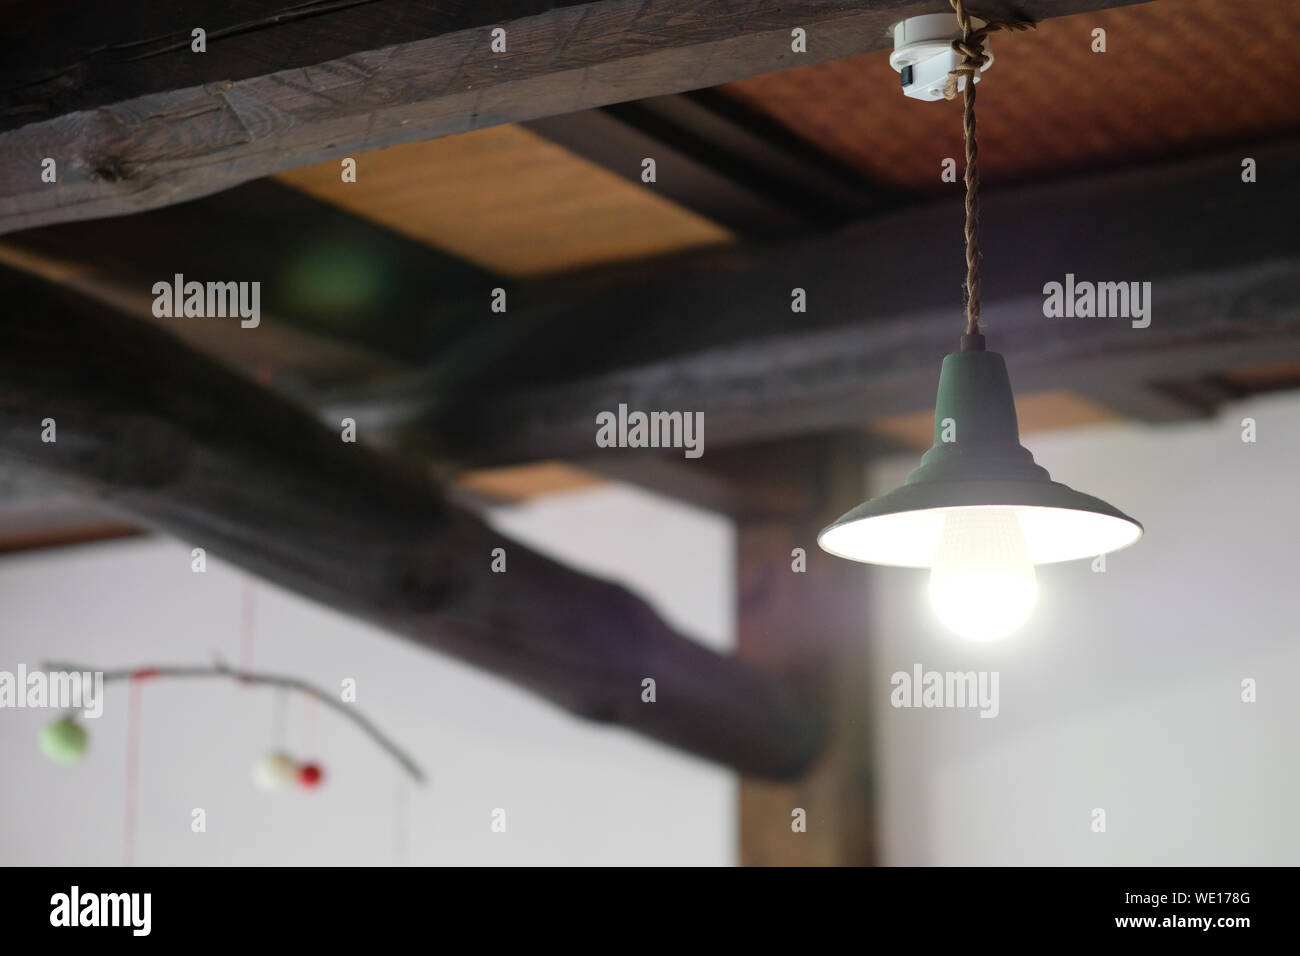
[{"x": 220, "y": 669}]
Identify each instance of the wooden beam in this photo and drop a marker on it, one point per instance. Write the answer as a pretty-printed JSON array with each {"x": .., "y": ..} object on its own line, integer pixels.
[
  {"x": 713, "y": 332},
  {"x": 749, "y": 483},
  {"x": 323, "y": 271},
  {"x": 1270, "y": 376},
  {"x": 1049, "y": 410},
  {"x": 1153, "y": 402},
  {"x": 257, "y": 230},
  {"x": 516, "y": 483},
  {"x": 615, "y": 142},
  {"x": 704, "y": 484},
  {"x": 149, "y": 427},
  {"x": 34, "y": 516},
  {"x": 83, "y": 61},
  {"x": 135, "y": 120},
  {"x": 827, "y": 817},
  {"x": 712, "y": 156}
]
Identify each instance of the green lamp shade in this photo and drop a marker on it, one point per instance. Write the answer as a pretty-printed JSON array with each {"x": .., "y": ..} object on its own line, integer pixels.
[{"x": 981, "y": 465}]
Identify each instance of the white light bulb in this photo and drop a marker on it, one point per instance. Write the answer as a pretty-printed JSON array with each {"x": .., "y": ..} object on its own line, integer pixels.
[{"x": 982, "y": 583}]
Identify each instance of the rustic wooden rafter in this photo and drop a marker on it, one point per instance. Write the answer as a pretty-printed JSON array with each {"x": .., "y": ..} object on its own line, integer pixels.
[
  {"x": 135, "y": 120},
  {"x": 153, "y": 429},
  {"x": 715, "y": 158},
  {"x": 324, "y": 271},
  {"x": 713, "y": 331}
]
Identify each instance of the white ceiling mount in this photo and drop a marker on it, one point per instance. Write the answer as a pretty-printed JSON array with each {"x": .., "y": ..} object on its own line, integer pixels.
[{"x": 923, "y": 53}]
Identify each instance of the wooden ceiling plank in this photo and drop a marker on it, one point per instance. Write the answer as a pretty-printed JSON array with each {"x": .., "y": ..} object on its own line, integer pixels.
[
  {"x": 511, "y": 202},
  {"x": 1052, "y": 105}
]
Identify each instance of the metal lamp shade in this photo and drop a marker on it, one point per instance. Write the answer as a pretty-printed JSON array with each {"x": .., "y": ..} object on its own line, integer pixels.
[{"x": 983, "y": 465}]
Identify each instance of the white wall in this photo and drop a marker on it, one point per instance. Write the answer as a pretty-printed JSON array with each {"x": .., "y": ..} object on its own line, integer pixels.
[
  {"x": 1123, "y": 691},
  {"x": 574, "y": 793}
]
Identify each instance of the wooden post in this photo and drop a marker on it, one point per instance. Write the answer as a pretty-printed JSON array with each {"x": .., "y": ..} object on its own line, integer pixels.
[{"x": 811, "y": 628}]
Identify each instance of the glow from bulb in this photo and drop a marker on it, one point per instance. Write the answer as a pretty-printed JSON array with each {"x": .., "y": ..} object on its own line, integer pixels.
[{"x": 982, "y": 583}]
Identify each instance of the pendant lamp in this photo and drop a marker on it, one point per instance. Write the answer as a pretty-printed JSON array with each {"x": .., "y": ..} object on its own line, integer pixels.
[{"x": 978, "y": 511}]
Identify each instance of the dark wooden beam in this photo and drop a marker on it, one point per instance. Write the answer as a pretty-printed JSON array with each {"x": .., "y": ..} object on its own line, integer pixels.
[
  {"x": 34, "y": 516},
  {"x": 712, "y": 156},
  {"x": 762, "y": 481},
  {"x": 827, "y": 604},
  {"x": 713, "y": 331},
  {"x": 149, "y": 427},
  {"x": 136, "y": 120},
  {"x": 1152, "y": 401},
  {"x": 322, "y": 271},
  {"x": 75, "y": 59}
]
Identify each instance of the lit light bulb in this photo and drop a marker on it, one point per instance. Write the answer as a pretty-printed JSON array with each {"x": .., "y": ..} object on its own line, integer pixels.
[{"x": 982, "y": 583}]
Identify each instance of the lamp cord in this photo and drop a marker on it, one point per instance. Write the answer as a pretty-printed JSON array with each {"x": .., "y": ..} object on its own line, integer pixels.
[{"x": 970, "y": 48}]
